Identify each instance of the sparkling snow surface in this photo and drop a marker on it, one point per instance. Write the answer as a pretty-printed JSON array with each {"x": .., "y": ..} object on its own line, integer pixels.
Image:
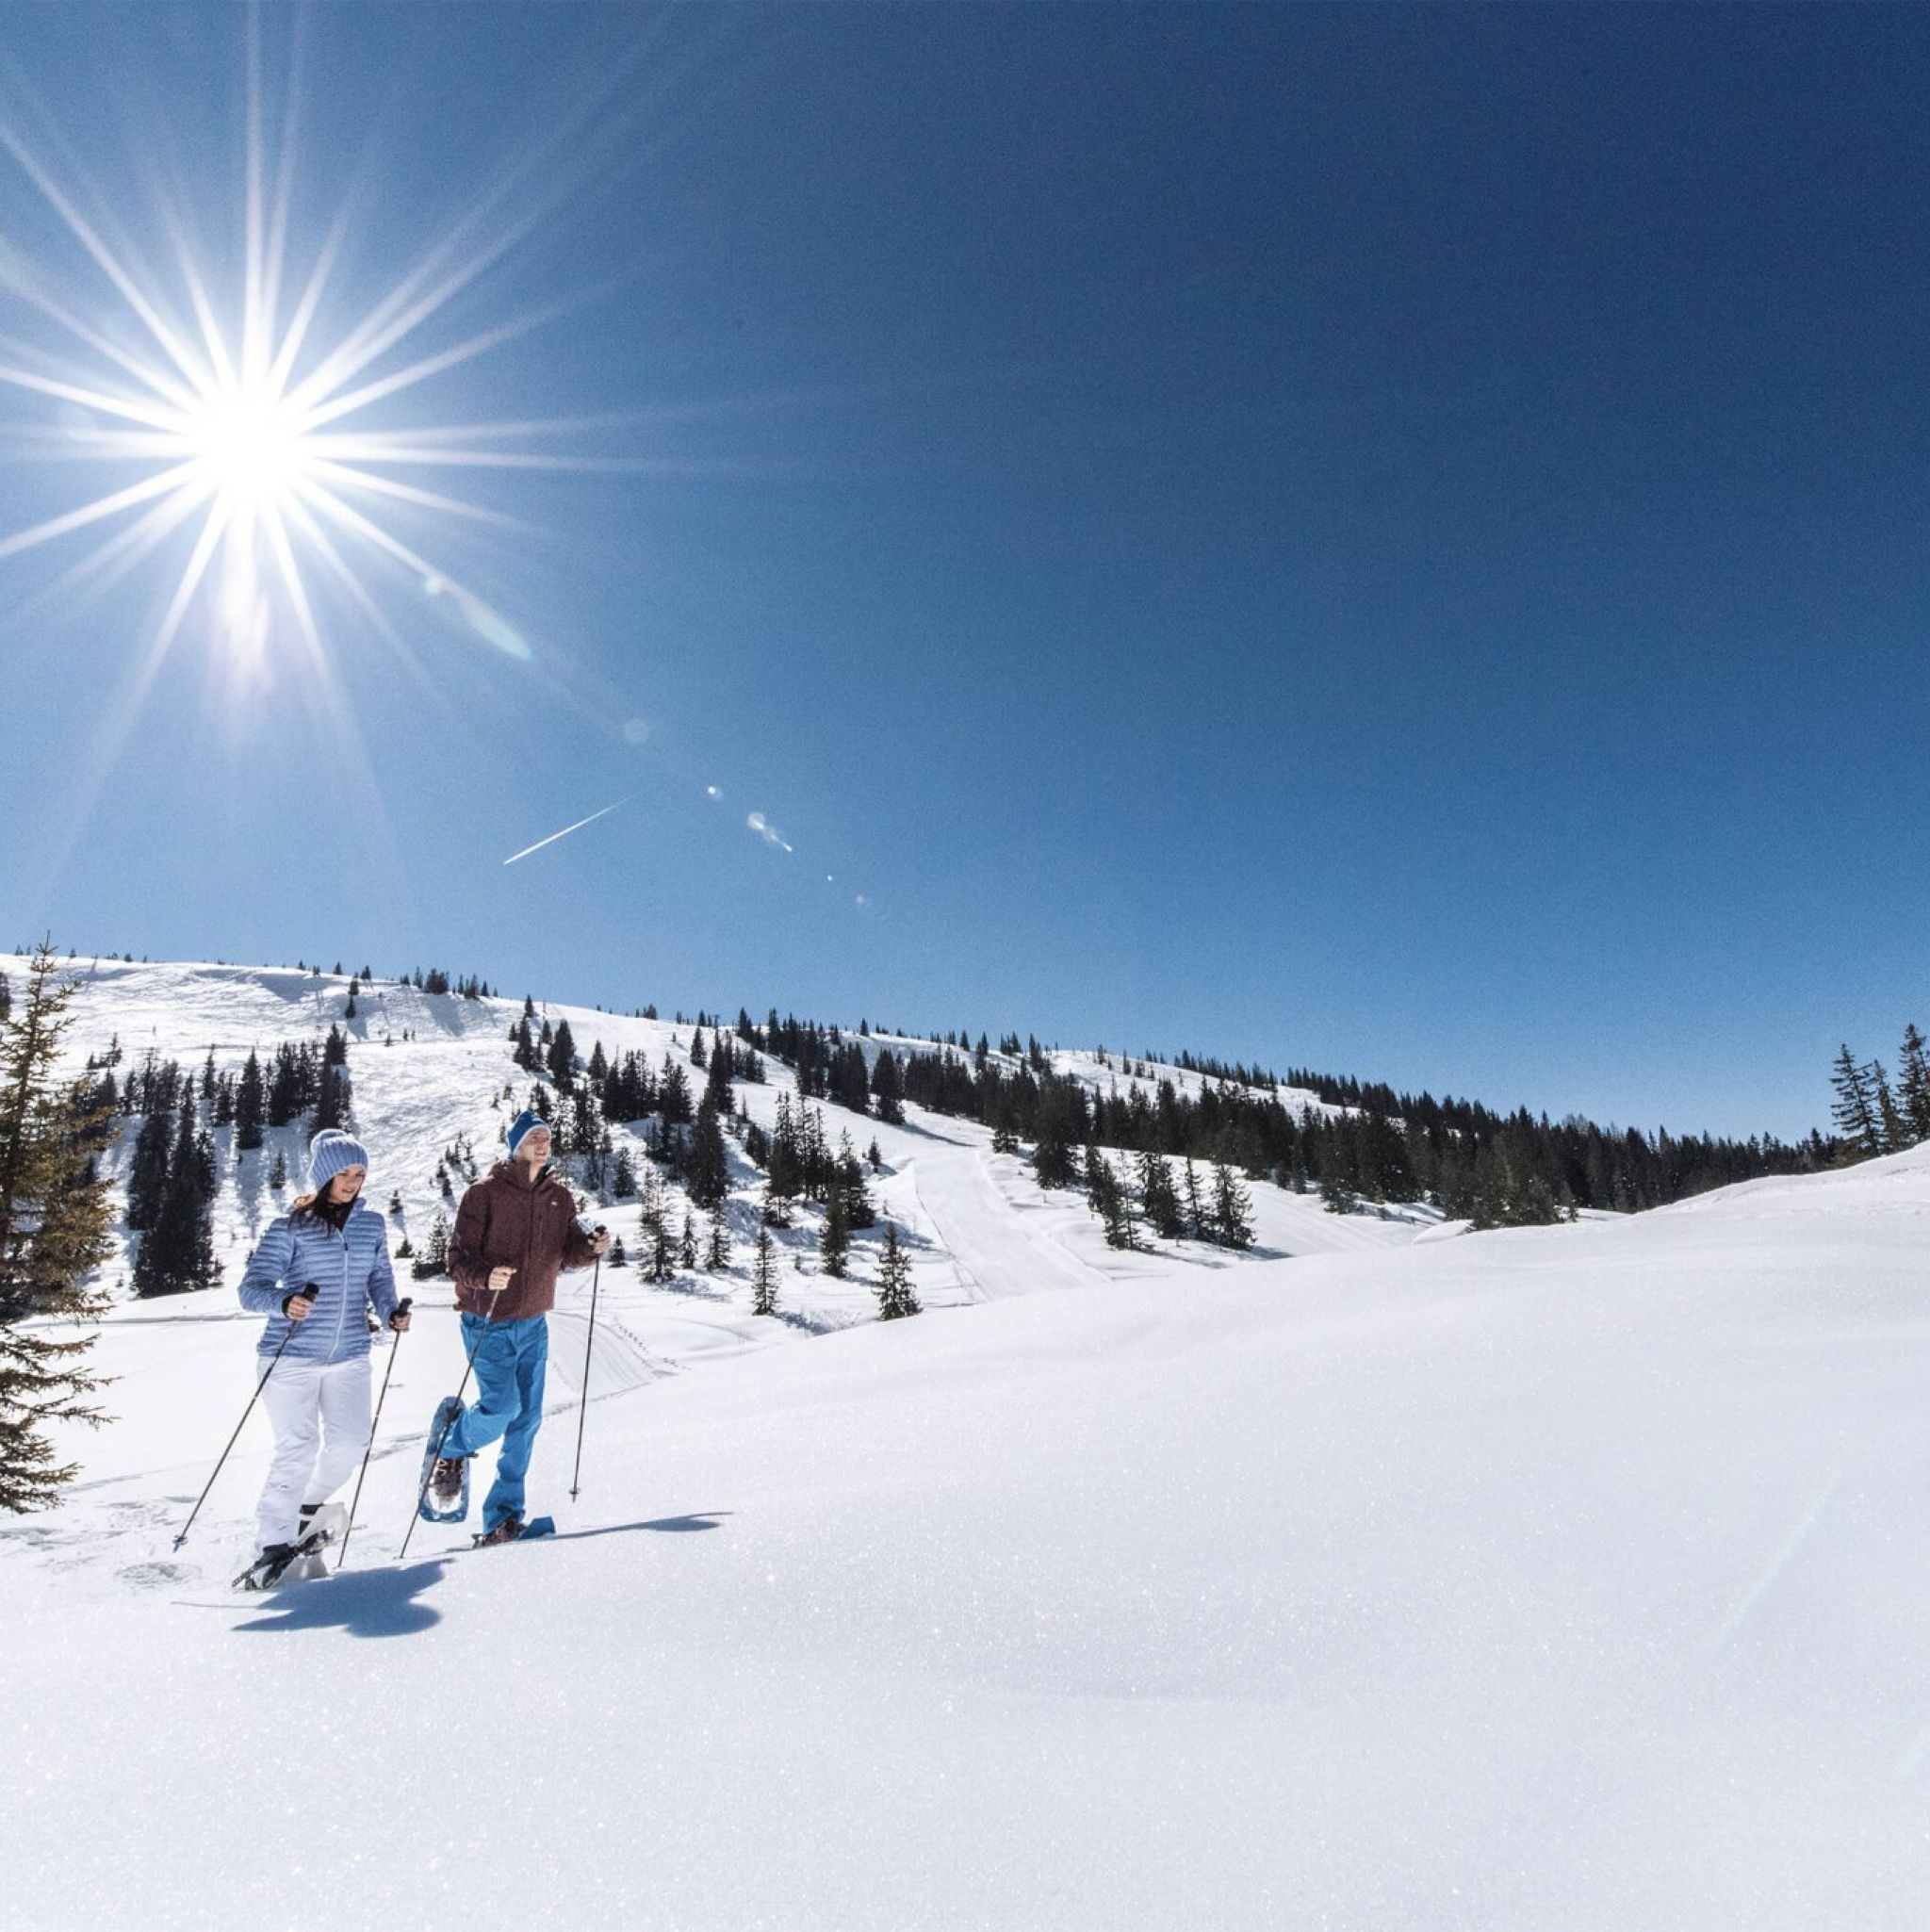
[{"x": 1547, "y": 1578}]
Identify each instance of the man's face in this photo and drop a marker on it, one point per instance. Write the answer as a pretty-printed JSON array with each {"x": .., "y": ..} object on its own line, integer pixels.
[
  {"x": 534, "y": 1146},
  {"x": 347, "y": 1184}
]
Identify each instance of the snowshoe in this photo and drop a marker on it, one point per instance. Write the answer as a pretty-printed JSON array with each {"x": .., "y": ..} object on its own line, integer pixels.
[
  {"x": 514, "y": 1529},
  {"x": 301, "y": 1560},
  {"x": 430, "y": 1508}
]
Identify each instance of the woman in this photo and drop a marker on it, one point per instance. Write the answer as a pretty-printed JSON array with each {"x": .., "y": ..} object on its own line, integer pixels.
[{"x": 314, "y": 1274}]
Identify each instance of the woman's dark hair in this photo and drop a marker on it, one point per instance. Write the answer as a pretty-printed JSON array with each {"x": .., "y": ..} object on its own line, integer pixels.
[{"x": 334, "y": 1213}]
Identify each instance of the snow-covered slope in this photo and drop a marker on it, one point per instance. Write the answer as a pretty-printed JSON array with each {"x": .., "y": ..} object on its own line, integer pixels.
[
  {"x": 1553, "y": 1578},
  {"x": 429, "y": 1069}
]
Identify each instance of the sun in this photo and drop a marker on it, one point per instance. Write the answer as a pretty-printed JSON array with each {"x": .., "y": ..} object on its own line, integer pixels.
[
  {"x": 259, "y": 416},
  {"x": 250, "y": 449}
]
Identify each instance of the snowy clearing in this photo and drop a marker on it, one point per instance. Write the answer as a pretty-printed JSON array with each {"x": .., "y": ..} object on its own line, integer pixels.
[{"x": 1548, "y": 1578}]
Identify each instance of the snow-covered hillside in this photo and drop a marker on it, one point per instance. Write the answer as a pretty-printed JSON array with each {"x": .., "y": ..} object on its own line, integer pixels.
[
  {"x": 1550, "y": 1577},
  {"x": 429, "y": 1069}
]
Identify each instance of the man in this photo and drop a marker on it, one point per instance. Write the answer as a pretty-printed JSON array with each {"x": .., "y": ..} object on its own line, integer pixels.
[{"x": 516, "y": 1230}]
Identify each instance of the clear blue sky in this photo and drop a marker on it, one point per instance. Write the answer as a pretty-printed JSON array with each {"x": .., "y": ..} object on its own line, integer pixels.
[{"x": 1390, "y": 539}]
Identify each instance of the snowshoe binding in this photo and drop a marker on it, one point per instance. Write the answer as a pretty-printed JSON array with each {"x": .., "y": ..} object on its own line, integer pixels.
[
  {"x": 445, "y": 1490},
  {"x": 301, "y": 1560},
  {"x": 514, "y": 1529}
]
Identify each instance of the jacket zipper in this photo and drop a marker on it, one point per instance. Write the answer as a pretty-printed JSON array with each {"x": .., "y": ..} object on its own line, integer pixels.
[{"x": 343, "y": 1313}]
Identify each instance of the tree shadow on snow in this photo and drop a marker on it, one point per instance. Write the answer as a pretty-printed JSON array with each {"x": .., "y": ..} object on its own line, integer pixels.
[{"x": 361, "y": 1603}]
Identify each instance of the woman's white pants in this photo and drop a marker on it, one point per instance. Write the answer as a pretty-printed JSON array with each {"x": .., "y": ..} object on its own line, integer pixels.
[{"x": 313, "y": 1406}]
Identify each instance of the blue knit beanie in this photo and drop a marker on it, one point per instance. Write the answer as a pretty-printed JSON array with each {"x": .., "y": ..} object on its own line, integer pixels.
[
  {"x": 330, "y": 1152},
  {"x": 521, "y": 1125}
]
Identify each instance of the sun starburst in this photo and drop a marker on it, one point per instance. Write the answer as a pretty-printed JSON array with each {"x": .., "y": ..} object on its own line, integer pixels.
[{"x": 258, "y": 439}]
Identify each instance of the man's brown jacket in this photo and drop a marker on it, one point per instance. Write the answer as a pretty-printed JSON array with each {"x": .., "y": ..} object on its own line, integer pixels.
[{"x": 505, "y": 1221}]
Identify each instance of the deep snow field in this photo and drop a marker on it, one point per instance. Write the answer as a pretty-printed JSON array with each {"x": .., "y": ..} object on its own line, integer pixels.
[{"x": 1553, "y": 1578}]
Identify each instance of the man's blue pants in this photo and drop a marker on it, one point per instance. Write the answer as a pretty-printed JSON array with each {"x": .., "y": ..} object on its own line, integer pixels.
[{"x": 510, "y": 1357}]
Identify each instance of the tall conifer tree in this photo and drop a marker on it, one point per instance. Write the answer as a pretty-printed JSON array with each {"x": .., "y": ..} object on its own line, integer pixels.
[{"x": 54, "y": 1221}]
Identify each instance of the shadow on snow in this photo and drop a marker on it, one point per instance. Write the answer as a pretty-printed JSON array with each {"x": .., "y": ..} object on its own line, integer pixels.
[{"x": 360, "y": 1603}]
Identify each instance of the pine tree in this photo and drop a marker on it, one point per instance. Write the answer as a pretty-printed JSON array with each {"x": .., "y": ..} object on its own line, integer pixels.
[
  {"x": 717, "y": 1083},
  {"x": 1195, "y": 1206},
  {"x": 332, "y": 1109},
  {"x": 278, "y": 1172},
  {"x": 859, "y": 1211},
  {"x": 1913, "y": 1084},
  {"x": 888, "y": 1088},
  {"x": 147, "y": 1173},
  {"x": 717, "y": 1253},
  {"x": 764, "y": 1276},
  {"x": 1158, "y": 1199},
  {"x": 707, "y": 1173},
  {"x": 784, "y": 1167},
  {"x": 895, "y": 1297},
  {"x": 673, "y": 1095},
  {"x": 1855, "y": 1109},
  {"x": 687, "y": 1245},
  {"x": 176, "y": 1253},
  {"x": 562, "y": 1058},
  {"x": 1233, "y": 1208},
  {"x": 433, "y": 1260},
  {"x": 1896, "y": 1129},
  {"x": 834, "y": 1238},
  {"x": 53, "y": 1222},
  {"x": 1056, "y": 1136},
  {"x": 1110, "y": 1201}
]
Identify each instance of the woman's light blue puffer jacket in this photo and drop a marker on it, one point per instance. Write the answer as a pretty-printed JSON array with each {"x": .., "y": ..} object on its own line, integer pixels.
[{"x": 350, "y": 1270}]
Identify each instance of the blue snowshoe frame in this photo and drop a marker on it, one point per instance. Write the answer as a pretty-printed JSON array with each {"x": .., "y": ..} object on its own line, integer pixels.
[{"x": 448, "y": 1414}]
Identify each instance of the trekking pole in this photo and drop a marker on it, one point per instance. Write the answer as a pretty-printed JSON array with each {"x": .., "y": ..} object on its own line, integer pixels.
[
  {"x": 583, "y": 1400},
  {"x": 429, "y": 1472},
  {"x": 309, "y": 1291},
  {"x": 395, "y": 1343}
]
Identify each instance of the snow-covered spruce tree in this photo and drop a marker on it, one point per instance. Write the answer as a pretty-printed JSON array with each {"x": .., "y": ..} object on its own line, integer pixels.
[
  {"x": 895, "y": 1297},
  {"x": 707, "y": 1173},
  {"x": 1195, "y": 1206},
  {"x": 1458, "y": 1197},
  {"x": 764, "y": 1276},
  {"x": 332, "y": 1109},
  {"x": 717, "y": 1253},
  {"x": 687, "y": 1245},
  {"x": 888, "y": 1088},
  {"x": 147, "y": 1172},
  {"x": 54, "y": 1221},
  {"x": 177, "y": 1253},
  {"x": 849, "y": 1182},
  {"x": 1233, "y": 1208},
  {"x": 1158, "y": 1199},
  {"x": 663, "y": 1262},
  {"x": 434, "y": 1259},
  {"x": 561, "y": 1057},
  {"x": 834, "y": 1238}
]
